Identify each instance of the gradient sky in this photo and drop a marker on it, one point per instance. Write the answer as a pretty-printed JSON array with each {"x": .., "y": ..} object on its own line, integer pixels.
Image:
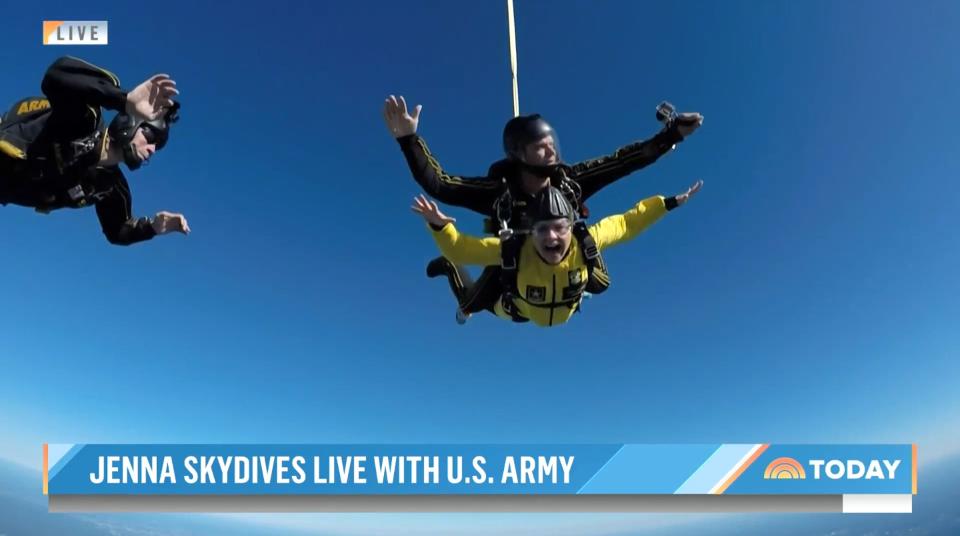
[{"x": 808, "y": 294}]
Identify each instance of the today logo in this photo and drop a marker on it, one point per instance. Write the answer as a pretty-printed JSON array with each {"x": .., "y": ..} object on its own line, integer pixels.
[
  {"x": 789, "y": 468},
  {"x": 784, "y": 469}
]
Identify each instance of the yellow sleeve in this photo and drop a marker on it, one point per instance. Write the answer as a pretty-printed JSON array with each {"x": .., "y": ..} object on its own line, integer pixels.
[
  {"x": 613, "y": 230},
  {"x": 466, "y": 249}
]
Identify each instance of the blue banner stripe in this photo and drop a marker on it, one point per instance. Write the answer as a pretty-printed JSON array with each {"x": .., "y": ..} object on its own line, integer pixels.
[
  {"x": 579, "y": 491},
  {"x": 649, "y": 468},
  {"x": 721, "y": 462},
  {"x": 63, "y": 461}
]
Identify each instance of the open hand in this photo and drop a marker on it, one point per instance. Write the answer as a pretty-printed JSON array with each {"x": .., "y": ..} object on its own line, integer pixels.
[
  {"x": 691, "y": 191},
  {"x": 399, "y": 122},
  {"x": 151, "y": 99},
  {"x": 430, "y": 211}
]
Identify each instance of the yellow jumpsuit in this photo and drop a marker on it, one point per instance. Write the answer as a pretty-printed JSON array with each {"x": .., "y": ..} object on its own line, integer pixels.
[{"x": 549, "y": 294}]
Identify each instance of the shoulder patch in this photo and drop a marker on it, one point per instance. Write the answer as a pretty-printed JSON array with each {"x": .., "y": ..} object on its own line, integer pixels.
[{"x": 33, "y": 105}]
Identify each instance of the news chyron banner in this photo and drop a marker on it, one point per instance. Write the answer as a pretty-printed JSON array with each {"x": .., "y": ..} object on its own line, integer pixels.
[{"x": 618, "y": 477}]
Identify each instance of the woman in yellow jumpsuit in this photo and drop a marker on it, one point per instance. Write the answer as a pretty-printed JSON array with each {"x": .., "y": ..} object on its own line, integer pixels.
[{"x": 552, "y": 268}]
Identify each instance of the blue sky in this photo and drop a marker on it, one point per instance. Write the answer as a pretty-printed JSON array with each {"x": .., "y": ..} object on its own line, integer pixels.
[{"x": 808, "y": 294}]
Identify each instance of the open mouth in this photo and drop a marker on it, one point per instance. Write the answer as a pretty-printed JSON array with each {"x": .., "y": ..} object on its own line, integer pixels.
[{"x": 554, "y": 249}]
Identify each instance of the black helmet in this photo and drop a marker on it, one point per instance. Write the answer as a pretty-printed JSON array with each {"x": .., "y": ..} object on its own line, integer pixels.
[
  {"x": 123, "y": 128},
  {"x": 524, "y": 130},
  {"x": 551, "y": 204}
]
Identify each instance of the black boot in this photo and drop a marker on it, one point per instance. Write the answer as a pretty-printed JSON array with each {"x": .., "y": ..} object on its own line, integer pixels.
[{"x": 437, "y": 267}]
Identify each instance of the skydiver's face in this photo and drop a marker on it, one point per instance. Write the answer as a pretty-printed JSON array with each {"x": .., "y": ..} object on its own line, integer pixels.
[
  {"x": 551, "y": 238},
  {"x": 542, "y": 152},
  {"x": 143, "y": 144}
]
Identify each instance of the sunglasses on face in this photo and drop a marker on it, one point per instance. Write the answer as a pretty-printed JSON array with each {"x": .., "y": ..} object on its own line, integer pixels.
[{"x": 154, "y": 135}]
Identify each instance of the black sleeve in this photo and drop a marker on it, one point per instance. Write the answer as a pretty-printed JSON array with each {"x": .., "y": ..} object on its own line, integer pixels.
[
  {"x": 474, "y": 193},
  {"x": 116, "y": 216},
  {"x": 73, "y": 83},
  {"x": 594, "y": 175}
]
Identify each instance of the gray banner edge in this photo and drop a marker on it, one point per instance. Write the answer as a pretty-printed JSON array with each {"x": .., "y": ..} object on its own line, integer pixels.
[{"x": 446, "y": 503}]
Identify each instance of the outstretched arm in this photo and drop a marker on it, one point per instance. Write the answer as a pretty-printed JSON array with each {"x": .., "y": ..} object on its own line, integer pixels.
[
  {"x": 474, "y": 193},
  {"x": 76, "y": 86},
  {"x": 71, "y": 83},
  {"x": 122, "y": 228},
  {"x": 598, "y": 173},
  {"x": 456, "y": 247},
  {"x": 614, "y": 230}
]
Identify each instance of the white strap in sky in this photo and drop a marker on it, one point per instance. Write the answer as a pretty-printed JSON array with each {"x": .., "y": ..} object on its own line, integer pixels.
[{"x": 513, "y": 58}]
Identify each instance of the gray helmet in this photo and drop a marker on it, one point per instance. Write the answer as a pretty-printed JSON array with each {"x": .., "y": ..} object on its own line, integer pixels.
[
  {"x": 124, "y": 127},
  {"x": 551, "y": 204}
]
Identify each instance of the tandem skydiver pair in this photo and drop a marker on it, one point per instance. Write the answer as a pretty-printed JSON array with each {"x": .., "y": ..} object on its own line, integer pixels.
[{"x": 544, "y": 257}]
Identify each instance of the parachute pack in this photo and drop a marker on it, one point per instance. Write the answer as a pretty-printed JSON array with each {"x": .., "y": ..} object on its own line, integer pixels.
[{"x": 22, "y": 111}]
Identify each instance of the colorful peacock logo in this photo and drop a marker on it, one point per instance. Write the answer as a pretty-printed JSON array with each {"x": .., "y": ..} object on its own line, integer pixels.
[{"x": 784, "y": 468}]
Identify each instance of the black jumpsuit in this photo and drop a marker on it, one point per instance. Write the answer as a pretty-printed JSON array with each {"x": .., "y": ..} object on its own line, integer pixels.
[{"x": 50, "y": 149}]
